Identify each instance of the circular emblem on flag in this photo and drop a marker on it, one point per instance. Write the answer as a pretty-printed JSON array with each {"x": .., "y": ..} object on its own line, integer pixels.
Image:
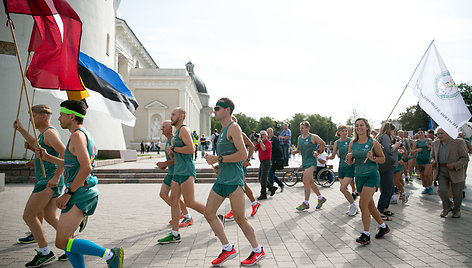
[
  {"x": 366, "y": 146},
  {"x": 445, "y": 87}
]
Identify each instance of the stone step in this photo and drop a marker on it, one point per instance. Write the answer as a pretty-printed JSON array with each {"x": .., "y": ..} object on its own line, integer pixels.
[{"x": 159, "y": 180}]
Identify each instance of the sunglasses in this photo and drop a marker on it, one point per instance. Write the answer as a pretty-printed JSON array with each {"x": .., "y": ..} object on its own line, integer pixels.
[{"x": 217, "y": 108}]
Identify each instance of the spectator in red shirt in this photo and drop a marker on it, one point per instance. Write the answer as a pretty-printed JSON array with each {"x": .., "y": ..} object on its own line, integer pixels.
[{"x": 264, "y": 148}]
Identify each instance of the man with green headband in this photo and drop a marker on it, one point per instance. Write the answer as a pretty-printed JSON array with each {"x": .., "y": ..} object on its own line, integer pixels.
[
  {"x": 81, "y": 195},
  {"x": 231, "y": 152}
]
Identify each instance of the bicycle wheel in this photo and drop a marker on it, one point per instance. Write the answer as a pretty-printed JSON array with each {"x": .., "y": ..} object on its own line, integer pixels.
[
  {"x": 290, "y": 178},
  {"x": 325, "y": 177}
]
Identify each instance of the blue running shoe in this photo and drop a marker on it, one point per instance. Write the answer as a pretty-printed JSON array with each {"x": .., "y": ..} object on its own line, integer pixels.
[
  {"x": 28, "y": 239},
  {"x": 430, "y": 190},
  {"x": 117, "y": 260}
]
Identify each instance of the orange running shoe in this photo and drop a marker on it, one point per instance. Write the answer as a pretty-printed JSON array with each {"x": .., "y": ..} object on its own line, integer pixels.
[
  {"x": 254, "y": 258},
  {"x": 229, "y": 215},
  {"x": 255, "y": 208},
  {"x": 224, "y": 256}
]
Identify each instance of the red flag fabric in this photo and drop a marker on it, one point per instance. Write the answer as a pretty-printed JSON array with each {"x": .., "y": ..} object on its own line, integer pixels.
[{"x": 55, "y": 59}]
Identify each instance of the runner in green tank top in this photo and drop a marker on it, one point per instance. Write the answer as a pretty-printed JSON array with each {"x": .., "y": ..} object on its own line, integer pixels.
[
  {"x": 250, "y": 148},
  {"x": 422, "y": 146},
  {"x": 42, "y": 201},
  {"x": 166, "y": 129},
  {"x": 183, "y": 180},
  {"x": 230, "y": 182},
  {"x": 308, "y": 147},
  {"x": 365, "y": 153},
  {"x": 81, "y": 195},
  {"x": 345, "y": 171}
]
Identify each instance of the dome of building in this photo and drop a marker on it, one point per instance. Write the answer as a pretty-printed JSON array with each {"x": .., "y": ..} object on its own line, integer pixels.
[{"x": 197, "y": 80}]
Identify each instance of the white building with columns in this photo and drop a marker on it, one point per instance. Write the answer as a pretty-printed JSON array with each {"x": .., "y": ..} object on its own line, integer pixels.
[{"x": 112, "y": 42}]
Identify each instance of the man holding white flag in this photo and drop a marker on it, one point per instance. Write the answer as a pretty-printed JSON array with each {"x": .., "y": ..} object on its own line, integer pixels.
[{"x": 438, "y": 95}]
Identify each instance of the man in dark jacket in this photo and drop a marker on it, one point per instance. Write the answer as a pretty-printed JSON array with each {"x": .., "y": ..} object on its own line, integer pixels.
[{"x": 276, "y": 159}]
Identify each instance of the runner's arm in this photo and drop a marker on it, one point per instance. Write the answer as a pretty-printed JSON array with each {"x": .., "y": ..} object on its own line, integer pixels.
[
  {"x": 52, "y": 139},
  {"x": 186, "y": 137},
  {"x": 78, "y": 147}
]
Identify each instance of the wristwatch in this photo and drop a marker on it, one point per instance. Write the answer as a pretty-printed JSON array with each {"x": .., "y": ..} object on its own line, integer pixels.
[
  {"x": 68, "y": 191},
  {"x": 220, "y": 159},
  {"x": 249, "y": 159},
  {"x": 172, "y": 148}
]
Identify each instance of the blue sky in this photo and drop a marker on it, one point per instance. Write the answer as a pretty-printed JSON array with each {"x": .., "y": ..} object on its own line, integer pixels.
[{"x": 278, "y": 58}]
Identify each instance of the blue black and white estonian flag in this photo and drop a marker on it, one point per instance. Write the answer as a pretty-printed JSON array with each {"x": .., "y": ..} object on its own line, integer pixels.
[
  {"x": 108, "y": 92},
  {"x": 105, "y": 92}
]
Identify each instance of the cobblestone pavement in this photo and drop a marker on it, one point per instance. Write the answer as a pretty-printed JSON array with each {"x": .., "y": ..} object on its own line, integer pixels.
[{"x": 133, "y": 216}]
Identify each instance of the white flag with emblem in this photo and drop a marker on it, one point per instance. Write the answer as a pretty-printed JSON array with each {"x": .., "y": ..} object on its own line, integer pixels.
[{"x": 437, "y": 93}]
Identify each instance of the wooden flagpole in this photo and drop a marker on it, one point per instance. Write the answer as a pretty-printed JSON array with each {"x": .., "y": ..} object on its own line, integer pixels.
[
  {"x": 10, "y": 23},
  {"x": 18, "y": 112},
  {"x": 29, "y": 123}
]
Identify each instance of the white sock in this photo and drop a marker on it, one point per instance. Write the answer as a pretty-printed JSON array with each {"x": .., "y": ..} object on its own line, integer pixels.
[
  {"x": 382, "y": 225},
  {"x": 228, "y": 247},
  {"x": 353, "y": 205},
  {"x": 108, "y": 255},
  {"x": 258, "y": 249},
  {"x": 306, "y": 202},
  {"x": 320, "y": 197},
  {"x": 175, "y": 233},
  {"x": 366, "y": 233},
  {"x": 187, "y": 216},
  {"x": 355, "y": 192},
  {"x": 254, "y": 203},
  {"x": 45, "y": 250}
]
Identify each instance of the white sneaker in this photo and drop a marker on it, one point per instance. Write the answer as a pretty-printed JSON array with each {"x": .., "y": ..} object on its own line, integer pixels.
[
  {"x": 394, "y": 200},
  {"x": 405, "y": 197},
  {"x": 352, "y": 211}
]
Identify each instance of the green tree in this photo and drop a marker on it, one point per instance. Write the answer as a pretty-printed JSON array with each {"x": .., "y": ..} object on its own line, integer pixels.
[
  {"x": 466, "y": 92},
  {"x": 246, "y": 123},
  {"x": 215, "y": 125},
  {"x": 321, "y": 125},
  {"x": 265, "y": 123},
  {"x": 414, "y": 118}
]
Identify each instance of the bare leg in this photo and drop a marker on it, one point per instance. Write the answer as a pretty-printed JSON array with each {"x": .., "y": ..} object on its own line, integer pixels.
[
  {"x": 50, "y": 213},
  {"x": 397, "y": 178},
  {"x": 343, "y": 188},
  {"x": 237, "y": 205},
  {"x": 428, "y": 173},
  {"x": 248, "y": 191},
  {"x": 36, "y": 204},
  {"x": 68, "y": 223},
  {"x": 188, "y": 192},
  {"x": 213, "y": 203},
  {"x": 174, "y": 205},
  {"x": 423, "y": 178},
  {"x": 164, "y": 194},
  {"x": 353, "y": 186},
  {"x": 367, "y": 206}
]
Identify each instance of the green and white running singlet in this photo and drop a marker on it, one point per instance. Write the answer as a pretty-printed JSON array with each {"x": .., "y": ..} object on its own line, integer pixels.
[
  {"x": 183, "y": 163},
  {"x": 344, "y": 170},
  {"x": 359, "y": 153},
  {"x": 228, "y": 173},
  {"x": 49, "y": 168},
  {"x": 306, "y": 150},
  {"x": 170, "y": 168},
  {"x": 423, "y": 157},
  {"x": 86, "y": 196}
]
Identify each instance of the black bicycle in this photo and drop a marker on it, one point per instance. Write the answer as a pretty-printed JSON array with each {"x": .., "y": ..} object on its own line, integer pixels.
[{"x": 325, "y": 177}]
